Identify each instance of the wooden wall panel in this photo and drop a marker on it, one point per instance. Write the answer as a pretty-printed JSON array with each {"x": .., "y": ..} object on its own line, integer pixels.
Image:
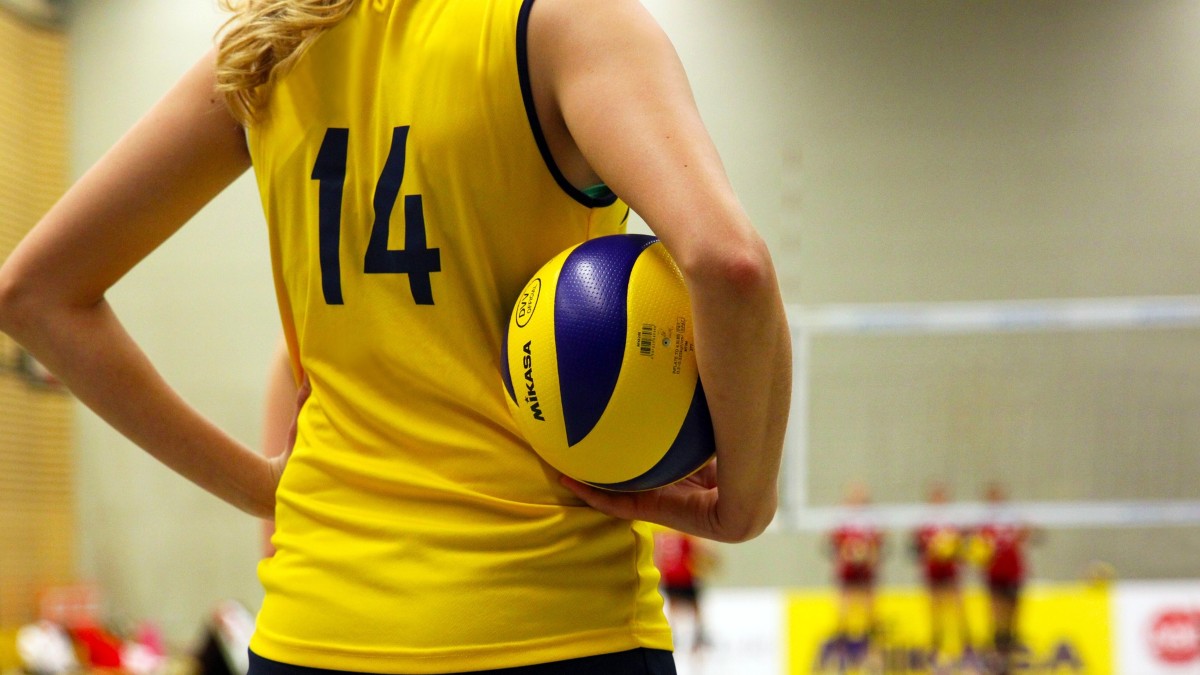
[{"x": 37, "y": 517}]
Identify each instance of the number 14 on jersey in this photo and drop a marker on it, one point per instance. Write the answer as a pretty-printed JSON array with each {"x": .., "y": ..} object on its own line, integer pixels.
[{"x": 416, "y": 259}]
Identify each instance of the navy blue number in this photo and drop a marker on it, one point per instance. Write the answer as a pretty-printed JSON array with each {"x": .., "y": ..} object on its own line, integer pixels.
[
  {"x": 330, "y": 170},
  {"x": 416, "y": 259}
]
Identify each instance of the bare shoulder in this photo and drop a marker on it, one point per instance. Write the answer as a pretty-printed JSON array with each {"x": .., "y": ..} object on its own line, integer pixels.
[{"x": 598, "y": 30}]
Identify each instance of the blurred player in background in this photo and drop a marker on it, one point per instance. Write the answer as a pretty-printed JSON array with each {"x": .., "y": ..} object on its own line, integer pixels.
[
  {"x": 999, "y": 548},
  {"x": 857, "y": 547},
  {"x": 939, "y": 546},
  {"x": 683, "y": 561}
]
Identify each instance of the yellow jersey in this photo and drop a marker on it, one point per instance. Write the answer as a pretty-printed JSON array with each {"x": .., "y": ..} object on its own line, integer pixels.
[{"x": 410, "y": 196}]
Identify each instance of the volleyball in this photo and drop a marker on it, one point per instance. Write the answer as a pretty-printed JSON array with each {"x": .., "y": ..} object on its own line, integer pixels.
[{"x": 600, "y": 367}]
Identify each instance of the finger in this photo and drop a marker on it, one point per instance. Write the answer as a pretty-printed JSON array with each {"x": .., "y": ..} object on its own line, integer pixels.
[
  {"x": 706, "y": 476},
  {"x": 614, "y": 504}
]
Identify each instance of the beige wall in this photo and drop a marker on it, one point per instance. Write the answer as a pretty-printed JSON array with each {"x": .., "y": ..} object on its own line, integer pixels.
[
  {"x": 955, "y": 150},
  {"x": 889, "y": 151}
]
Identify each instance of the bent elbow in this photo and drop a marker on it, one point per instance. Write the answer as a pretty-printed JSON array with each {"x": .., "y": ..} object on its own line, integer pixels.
[
  {"x": 760, "y": 524},
  {"x": 751, "y": 525},
  {"x": 742, "y": 267},
  {"x": 21, "y": 303},
  {"x": 750, "y": 271},
  {"x": 748, "y": 531},
  {"x": 13, "y": 300}
]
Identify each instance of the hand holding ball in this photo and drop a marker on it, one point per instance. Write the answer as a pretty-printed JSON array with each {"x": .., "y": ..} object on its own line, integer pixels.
[{"x": 600, "y": 368}]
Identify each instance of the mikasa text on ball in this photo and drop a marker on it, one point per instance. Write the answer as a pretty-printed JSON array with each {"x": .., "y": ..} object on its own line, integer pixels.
[{"x": 600, "y": 366}]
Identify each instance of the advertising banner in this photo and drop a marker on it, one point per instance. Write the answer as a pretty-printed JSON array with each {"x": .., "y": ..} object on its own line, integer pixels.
[
  {"x": 1158, "y": 628},
  {"x": 743, "y": 634},
  {"x": 1129, "y": 628},
  {"x": 1063, "y": 630}
]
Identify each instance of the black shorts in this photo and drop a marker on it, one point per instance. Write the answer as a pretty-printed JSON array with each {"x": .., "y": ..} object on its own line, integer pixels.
[
  {"x": 857, "y": 584},
  {"x": 1009, "y": 590},
  {"x": 690, "y": 593},
  {"x": 942, "y": 583},
  {"x": 633, "y": 662}
]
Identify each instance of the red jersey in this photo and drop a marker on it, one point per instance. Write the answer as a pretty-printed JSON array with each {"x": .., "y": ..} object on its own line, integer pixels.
[
  {"x": 939, "y": 547},
  {"x": 856, "y": 548},
  {"x": 1005, "y": 541},
  {"x": 675, "y": 557}
]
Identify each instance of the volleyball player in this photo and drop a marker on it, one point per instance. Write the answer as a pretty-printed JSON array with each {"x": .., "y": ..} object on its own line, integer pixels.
[
  {"x": 682, "y": 561},
  {"x": 1000, "y": 542},
  {"x": 417, "y": 162},
  {"x": 856, "y": 545},
  {"x": 939, "y": 546}
]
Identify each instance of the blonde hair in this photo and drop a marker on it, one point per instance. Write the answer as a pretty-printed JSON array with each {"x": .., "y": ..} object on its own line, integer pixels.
[{"x": 261, "y": 41}]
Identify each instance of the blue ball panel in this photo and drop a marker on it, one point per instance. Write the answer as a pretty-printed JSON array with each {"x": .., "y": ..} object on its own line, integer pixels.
[
  {"x": 694, "y": 446},
  {"x": 589, "y": 326},
  {"x": 504, "y": 371}
]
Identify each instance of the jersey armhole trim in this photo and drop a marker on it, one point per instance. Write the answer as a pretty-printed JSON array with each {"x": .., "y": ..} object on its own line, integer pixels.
[{"x": 535, "y": 126}]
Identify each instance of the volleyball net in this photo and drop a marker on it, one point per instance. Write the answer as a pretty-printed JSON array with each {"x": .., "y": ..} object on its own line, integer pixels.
[{"x": 1084, "y": 406}]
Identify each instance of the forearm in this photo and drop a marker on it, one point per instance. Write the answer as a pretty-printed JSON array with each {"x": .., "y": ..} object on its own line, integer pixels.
[
  {"x": 743, "y": 350},
  {"x": 179, "y": 156},
  {"x": 88, "y": 349}
]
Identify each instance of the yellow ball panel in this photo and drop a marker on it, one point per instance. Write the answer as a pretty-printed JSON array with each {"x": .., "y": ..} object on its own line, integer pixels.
[{"x": 538, "y": 408}]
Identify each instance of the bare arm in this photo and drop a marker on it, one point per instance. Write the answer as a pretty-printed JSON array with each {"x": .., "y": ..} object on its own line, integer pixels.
[
  {"x": 279, "y": 418},
  {"x": 279, "y": 406},
  {"x": 179, "y": 156},
  {"x": 616, "y": 104}
]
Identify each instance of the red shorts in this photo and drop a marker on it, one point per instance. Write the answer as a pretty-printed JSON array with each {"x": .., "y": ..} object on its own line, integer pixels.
[{"x": 856, "y": 576}]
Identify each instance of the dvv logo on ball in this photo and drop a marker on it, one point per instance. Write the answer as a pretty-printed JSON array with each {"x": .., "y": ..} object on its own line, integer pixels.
[{"x": 523, "y": 312}]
